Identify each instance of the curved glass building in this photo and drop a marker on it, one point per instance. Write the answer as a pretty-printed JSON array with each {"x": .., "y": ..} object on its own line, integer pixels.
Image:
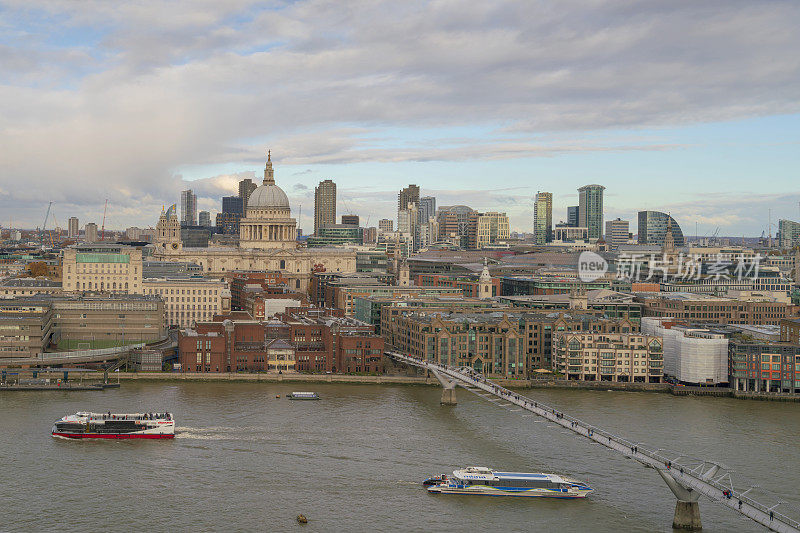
[{"x": 653, "y": 228}]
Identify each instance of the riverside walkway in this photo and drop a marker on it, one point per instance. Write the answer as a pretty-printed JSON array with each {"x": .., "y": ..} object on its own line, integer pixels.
[{"x": 687, "y": 480}]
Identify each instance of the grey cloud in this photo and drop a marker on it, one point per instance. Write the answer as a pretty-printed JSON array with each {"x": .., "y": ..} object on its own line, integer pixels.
[{"x": 189, "y": 83}]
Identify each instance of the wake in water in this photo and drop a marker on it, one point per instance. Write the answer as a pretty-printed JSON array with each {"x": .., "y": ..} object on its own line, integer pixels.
[{"x": 203, "y": 434}]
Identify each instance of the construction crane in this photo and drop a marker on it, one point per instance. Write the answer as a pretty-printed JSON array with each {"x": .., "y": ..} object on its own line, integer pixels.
[
  {"x": 57, "y": 231},
  {"x": 44, "y": 224},
  {"x": 103, "y": 230}
]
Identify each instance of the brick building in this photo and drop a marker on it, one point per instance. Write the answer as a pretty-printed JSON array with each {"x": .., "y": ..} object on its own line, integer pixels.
[
  {"x": 496, "y": 343},
  {"x": 764, "y": 366},
  {"x": 311, "y": 340},
  {"x": 270, "y": 282},
  {"x": 716, "y": 309}
]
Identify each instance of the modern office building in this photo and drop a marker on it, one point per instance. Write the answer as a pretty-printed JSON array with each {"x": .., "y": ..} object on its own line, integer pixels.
[
  {"x": 233, "y": 204},
  {"x": 246, "y": 188},
  {"x": 567, "y": 233},
  {"x": 427, "y": 209},
  {"x": 454, "y": 224},
  {"x": 227, "y": 222},
  {"x": 590, "y": 209},
  {"x": 543, "y": 218},
  {"x": 572, "y": 215},
  {"x": 90, "y": 232},
  {"x": 616, "y": 233},
  {"x": 789, "y": 233},
  {"x": 188, "y": 208},
  {"x": 653, "y": 228},
  {"x": 73, "y": 228},
  {"x": 385, "y": 225},
  {"x": 409, "y": 195},
  {"x": 492, "y": 228},
  {"x": 324, "y": 205},
  {"x": 335, "y": 234},
  {"x": 350, "y": 220},
  {"x": 204, "y": 219},
  {"x": 763, "y": 366}
]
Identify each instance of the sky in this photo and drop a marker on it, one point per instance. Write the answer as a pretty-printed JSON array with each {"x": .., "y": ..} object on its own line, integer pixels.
[{"x": 687, "y": 107}]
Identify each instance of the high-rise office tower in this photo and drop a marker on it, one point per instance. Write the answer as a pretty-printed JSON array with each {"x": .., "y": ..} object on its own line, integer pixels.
[
  {"x": 572, "y": 216},
  {"x": 543, "y": 218},
  {"x": 188, "y": 208},
  {"x": 616, "y": 233},
  {"x": 90, "y": 232},
  {"x": 73, "y": 228},
  {"x": 788, "y": 233},
  {"x": 590, "y": 210},
  {"x": 204, "y": 218},
  {"x": 409, "y": 195},
  {"x": 324, "y": 205},
  {"x": 246, "y": 188},
  {"x": 350, "y": 220},
  {"x": 427, "y": 208}
]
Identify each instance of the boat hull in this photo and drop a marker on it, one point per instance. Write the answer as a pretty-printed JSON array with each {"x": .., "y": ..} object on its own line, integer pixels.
[
  {"x": 519, "y": 493},
  {"x": 113, "y": 435}
]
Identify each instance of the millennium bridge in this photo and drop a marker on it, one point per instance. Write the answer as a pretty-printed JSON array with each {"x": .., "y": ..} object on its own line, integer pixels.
[{"x": 688, "y": 480}]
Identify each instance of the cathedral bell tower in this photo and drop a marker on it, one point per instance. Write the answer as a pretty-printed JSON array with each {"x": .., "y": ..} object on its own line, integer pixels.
[{"x": 168, "y": 231}]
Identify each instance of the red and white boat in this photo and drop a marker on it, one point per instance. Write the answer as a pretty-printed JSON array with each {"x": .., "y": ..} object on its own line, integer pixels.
[{"x": 84, "y": 425}]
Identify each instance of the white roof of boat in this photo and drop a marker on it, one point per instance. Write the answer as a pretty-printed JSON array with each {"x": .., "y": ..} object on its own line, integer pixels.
[{"x": 486, "y": 473}]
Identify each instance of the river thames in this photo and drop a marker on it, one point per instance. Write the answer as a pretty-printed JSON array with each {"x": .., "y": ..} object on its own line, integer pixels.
[{"x": 244, "y": 460}]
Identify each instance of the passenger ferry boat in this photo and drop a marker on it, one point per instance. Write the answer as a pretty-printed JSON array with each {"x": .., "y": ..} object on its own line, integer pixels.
[
  {"x": 303, "y": 396},
  {"x": 85, "y": 425},
  {"x": 488, "y": 482}
]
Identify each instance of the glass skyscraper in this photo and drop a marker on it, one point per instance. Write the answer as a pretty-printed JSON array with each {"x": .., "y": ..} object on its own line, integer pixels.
[
  {"x": 653, "y": 228},
  {"x": 590, "y": 210}
]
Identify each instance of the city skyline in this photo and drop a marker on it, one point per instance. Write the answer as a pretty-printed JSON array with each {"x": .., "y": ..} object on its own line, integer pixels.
[{"x": 643, "y": 103}]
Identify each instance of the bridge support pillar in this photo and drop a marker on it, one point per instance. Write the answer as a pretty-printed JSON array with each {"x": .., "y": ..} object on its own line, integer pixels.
[
  {"x": 448, "y": 389},
  {"x": 687, "y": 516},
  {"x": 449, "y": 396},
  {"x": 687, "y": 510}
]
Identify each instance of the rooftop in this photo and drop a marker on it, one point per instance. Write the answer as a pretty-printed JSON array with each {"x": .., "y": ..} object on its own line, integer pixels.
[{"x": 30, "y": 282}]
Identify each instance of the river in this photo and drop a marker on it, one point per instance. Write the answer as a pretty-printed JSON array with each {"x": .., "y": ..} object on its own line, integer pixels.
[{"x": 244, "y": 460}]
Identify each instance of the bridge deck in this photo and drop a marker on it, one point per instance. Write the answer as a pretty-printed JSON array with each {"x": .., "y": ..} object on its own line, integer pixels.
[{"x": 695, "y": 477}]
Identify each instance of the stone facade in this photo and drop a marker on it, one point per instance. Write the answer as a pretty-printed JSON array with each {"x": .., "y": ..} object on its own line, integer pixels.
[{"x": 102, "y": 267}]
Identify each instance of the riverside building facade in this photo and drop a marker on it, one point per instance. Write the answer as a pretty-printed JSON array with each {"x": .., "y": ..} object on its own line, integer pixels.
[{"x": 620, "y": 357}]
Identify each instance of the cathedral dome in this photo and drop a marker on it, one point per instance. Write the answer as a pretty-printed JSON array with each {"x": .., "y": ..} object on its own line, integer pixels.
[{"x": 268, "y": 196}]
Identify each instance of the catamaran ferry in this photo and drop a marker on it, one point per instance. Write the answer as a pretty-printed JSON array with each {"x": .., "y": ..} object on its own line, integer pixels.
[
  {"x": 84, "y": 425},
  {"x": 488, "y": 482}
]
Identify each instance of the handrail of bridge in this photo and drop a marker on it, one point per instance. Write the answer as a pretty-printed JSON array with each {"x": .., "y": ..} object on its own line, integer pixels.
[
  {"x": 79, "y": 354},
  {"x": 694, "y": 477}
]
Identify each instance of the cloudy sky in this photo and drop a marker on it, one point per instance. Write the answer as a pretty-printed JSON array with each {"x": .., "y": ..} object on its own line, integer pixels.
[{"x": 681, "y": 106}]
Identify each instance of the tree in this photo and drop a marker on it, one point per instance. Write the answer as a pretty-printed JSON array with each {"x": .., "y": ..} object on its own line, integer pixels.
[{"x": 37, "y": 269}]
